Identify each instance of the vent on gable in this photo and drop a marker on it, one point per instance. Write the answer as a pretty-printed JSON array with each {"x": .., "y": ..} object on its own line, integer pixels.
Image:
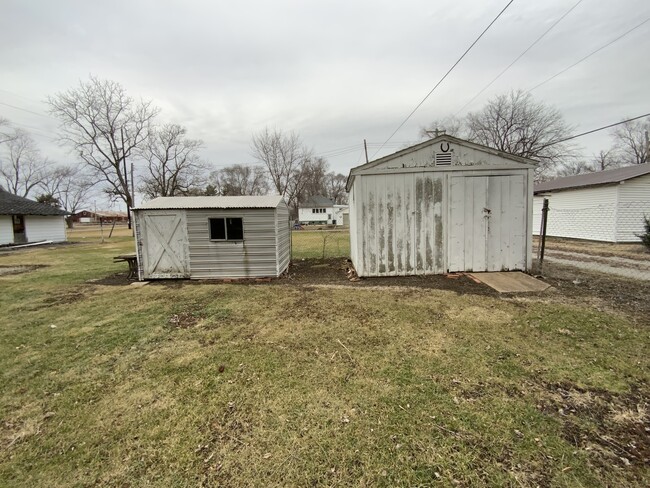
[{"x": 443, "y": 159}]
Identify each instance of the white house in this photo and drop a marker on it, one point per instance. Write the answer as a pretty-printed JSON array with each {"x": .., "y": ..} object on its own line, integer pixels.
[
  {"x": 441, "y": 206},
  {"x": 321, "y": 210},
  {"x": 212, "y": 237},
  {"x": 25, "y": 221},
  {"x": 603, "y": 206}
]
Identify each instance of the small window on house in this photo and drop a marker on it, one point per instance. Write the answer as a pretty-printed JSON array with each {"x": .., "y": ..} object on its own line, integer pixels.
[{"x": 227, "y": 229}]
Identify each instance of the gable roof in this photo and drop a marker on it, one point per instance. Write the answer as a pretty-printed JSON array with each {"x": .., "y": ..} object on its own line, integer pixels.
[
  {"x": 607, "y": 177},
  {"x": 11, "y": 204},
  {"x": 318, "y": 201},
  {"x": 431, "y": 142},
  {"x": 169, "y": 203}
]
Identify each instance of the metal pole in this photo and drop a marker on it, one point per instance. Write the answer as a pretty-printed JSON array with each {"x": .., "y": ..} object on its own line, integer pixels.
[
  {"x": 542, "y": 234},
  {"x": 365, "y": 147}
]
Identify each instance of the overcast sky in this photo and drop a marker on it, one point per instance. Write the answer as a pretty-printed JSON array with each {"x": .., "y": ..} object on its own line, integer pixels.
[{"x": 335, "y": 72}]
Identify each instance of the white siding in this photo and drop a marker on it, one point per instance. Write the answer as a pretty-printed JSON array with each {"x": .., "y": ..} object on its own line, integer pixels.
[
  {"x": 45, "y": 228},
  {"x": 6, "y": 230},
  {"x": 460, "y": 156},
  {"x": 398, "y": 222},
  {"x": 283, "y": 238},
  {"x": 633, "y": 204},
  {"x": 584, "y": 213},
  {"x": 306, "y": 215},
  {"x": 254, "y": 257},
  {"x": 354, "y": 228}
]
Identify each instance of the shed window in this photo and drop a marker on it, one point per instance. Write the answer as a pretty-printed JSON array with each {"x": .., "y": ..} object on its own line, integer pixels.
[{"x": 227, "y": 229}]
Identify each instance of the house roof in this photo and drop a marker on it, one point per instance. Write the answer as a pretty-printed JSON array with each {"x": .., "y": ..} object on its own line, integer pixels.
[
  {"x": 318, "y": 201},
  {"x": 431, "y": 142},
  {"x": 607, "y": 177},
  {"x": 168, "y": 203},
  {"x": 103, "y": 213},
  {"x": 11, "y": 204}
]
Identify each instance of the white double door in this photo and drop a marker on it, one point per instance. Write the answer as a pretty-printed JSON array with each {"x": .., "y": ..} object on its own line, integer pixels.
[{"x": 487, "y": 223}]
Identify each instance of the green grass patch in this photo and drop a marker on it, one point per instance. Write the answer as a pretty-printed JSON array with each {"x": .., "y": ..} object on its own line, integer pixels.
[
  {"x": 320, "y": 243},
  {"x": 185, "y": 384}
]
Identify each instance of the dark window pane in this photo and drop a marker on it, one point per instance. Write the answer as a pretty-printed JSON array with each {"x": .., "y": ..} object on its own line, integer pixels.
[
  {"x": 235, "y": 229},
  {"x": 217, "y": 229}
]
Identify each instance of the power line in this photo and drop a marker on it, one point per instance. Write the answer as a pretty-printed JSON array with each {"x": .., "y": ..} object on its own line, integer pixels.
[
  {"x": 445, "y": 76},
  {"x": 595, "y": 130},
  {"x": 589, "y": 55},
  {"x": 519, "y": 57},
  {"x": 25, "y": 110}
]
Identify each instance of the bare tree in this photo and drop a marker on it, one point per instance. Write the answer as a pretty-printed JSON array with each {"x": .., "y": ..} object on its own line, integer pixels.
[
  {"x": 630, "y": 141},
  {"x": 335, "y": 188},
  {"x": 517, "y": 124},
  {"x": 310, "y": 181},
  {"x": 70, "y": 185},
  {"x": 240, "y": 179},
  {"x": 23, "y": 167},
  {"x": 605, "y": 160},
  {"x": 284, "y": 156},
  {"x": 104, "y": 127},
  {"x": 173, "y": 165}
]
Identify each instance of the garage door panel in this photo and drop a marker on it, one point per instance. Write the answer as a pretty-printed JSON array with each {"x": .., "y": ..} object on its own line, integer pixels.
[{"x": 487, "y": 223}]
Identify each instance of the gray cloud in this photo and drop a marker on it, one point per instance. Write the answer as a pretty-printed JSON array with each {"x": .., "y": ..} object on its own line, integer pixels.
[{"x": 336, "y": 72}]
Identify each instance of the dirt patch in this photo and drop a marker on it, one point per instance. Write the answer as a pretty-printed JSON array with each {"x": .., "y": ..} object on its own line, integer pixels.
[
  {"x": 604, "y": 249},
  {"x": 614, "y": 429},
  {"x": 332, "y": 271},
  {"x": 14, "y": 270},
  {"x": 117, "y": 279},
  {"x": 621, "y": 294},
  {"x": 183, "y": 320},
  {"x": 64, "y": 298}
]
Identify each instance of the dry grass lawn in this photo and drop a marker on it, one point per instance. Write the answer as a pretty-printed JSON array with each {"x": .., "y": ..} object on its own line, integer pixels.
[{"x": 281, "y": 384}]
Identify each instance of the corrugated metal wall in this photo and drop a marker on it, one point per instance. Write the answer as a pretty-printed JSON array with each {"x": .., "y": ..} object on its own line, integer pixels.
[
  {"x": 397, "y": 224},
  {"x": 283, "y": 239},
  {"x": 253, "y": 257}
]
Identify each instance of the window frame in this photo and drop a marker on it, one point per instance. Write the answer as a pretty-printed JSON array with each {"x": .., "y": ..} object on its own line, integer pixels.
[{"x": 225, "y": 228}]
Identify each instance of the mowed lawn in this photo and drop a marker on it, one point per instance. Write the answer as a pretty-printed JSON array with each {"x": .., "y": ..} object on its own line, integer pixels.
[{"x": 276, "y": 384}]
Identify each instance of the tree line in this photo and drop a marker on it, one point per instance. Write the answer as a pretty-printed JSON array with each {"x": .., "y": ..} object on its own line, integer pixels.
[{"x": 106, "y": 131}]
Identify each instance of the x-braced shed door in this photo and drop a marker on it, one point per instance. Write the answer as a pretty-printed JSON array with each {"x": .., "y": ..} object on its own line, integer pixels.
[
  {"x": 165, "y": 248},
  {"x": 487, "y": 223}
]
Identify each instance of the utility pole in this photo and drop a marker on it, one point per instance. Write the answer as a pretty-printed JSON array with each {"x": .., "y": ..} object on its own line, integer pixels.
[
  {"x": 365, "y": 147},
  {"x": 126, "y": 182},
  {"x": 647, "y": 147},
  {"x": 132, "y": 186}
]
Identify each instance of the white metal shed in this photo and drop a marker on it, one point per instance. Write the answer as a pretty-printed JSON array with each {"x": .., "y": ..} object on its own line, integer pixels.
[
  {"x": 444, "y": 205},
  {"x": 212, "y": 237}
]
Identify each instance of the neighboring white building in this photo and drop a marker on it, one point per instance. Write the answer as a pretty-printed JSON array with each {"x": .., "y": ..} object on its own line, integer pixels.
[
  {"x": 603, "y": 206},
  {"x": 441, "y": 206},
  {"x": 321, "y": 210},
  {"x": 212, "y": 237},
  {"x": 25, "y": 221}
]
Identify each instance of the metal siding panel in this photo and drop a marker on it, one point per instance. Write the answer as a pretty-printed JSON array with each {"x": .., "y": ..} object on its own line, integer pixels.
[
  {"x": 254, "y": 257},
  {"x": 283, "y": 238}
]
